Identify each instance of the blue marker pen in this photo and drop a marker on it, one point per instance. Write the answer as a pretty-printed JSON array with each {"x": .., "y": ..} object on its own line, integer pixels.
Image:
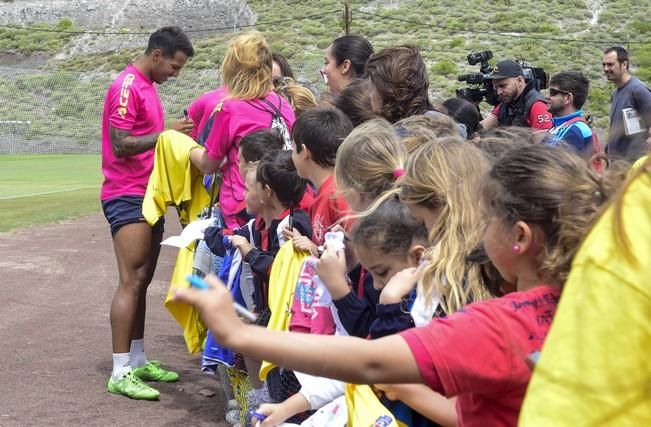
[
  {"x": 258, "y": 415},
  {"x": 199, "y": 283}
]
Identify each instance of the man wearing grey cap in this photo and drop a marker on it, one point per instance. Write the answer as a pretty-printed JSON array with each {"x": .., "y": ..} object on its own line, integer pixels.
[{"x": 520, "y": 103}]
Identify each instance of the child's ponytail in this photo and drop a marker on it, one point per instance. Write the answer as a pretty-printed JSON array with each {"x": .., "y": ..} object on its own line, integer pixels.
[{"x": 370, "y": 159}]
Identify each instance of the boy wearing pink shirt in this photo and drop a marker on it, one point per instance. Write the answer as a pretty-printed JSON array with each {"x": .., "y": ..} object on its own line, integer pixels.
[{"x": 131, "y": 122}]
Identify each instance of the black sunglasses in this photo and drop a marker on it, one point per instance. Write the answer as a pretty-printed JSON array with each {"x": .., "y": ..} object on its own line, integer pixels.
[{"x": 554, "y": 92}]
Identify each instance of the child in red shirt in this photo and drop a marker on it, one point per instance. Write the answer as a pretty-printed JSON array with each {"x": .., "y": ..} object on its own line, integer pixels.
[
  {"x": 540, "y": 201},
  {"x": 317, "y": 134}
]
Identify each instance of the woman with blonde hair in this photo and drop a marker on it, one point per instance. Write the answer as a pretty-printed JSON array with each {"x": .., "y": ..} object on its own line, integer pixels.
[{"x": 249, "y": 105}]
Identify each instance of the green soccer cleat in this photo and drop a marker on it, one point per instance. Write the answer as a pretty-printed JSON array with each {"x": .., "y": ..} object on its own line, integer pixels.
[
  {"x": 132, "y": 387},
  {"x": 153, "y": 372}
]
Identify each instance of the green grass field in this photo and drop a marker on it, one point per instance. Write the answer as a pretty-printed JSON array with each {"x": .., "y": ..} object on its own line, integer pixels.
[{"x": 38, "y": 189}]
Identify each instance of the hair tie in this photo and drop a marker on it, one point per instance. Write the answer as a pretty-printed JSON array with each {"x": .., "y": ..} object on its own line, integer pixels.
[{"x": 398, "y": 172}]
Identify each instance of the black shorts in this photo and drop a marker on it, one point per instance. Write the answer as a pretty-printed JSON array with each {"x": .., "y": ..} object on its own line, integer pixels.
[{"x": 126, "y": 210}]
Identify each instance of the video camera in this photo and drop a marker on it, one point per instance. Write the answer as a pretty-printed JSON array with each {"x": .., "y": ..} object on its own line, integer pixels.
[{"x": 482, "y": 86}]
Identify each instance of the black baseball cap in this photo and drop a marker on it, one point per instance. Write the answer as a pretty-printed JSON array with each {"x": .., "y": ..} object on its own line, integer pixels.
[{"x": 505, "y": 69}]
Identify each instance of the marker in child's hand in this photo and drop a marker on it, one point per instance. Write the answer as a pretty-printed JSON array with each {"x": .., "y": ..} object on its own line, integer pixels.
[
  {"x": 199, "y": 283},
  {"x": 185, "y": 114},
  {"x": 258, "y": 415}
]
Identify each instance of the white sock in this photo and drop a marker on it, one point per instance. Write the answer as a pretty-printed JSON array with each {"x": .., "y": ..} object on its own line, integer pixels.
[
  {"x": 121, "y": 365},
  {"x": 138, "y": 358}
]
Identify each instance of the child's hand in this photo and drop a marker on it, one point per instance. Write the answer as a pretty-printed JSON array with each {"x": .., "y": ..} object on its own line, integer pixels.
[
  {"x": 241, "y": 243},
  {"x": 391, "y": 391},
  {"x": 331, "y": 269},
  {"x": 216, "y": 308},
  {"x": 276, "y": 414},
  {"x": 351, "y": 256},
  {"x": 400, "y": 285},
  {"x": 304, "y": 244},
  {"x": 301, "y": 243},
  {"x": 290, "y": 234}
]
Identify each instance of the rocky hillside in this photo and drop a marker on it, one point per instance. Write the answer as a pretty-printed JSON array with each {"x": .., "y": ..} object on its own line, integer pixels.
[
  {"x": 132, "y": 14},
  {"x": 125, "y": 16}
]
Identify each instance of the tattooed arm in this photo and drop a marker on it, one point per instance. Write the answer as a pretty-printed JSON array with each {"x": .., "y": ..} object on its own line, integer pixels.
[{"x": 123, "y": 144}]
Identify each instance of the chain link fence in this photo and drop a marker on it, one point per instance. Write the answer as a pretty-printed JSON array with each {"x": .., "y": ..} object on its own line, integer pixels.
[{"x": 59, "y": 112}]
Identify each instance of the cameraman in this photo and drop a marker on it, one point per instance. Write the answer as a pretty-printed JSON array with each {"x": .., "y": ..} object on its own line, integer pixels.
[{"x": 520, "y": 103}]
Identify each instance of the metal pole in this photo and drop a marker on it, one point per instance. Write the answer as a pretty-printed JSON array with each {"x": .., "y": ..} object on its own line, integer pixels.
[{"x": 347, "y": 17}]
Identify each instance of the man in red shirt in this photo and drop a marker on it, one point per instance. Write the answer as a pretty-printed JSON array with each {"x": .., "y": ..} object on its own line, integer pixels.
[{"x": 520, "y": 103}]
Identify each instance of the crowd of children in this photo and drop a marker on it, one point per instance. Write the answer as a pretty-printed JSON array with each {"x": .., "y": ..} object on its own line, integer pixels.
[{"x": 397, "y": 245}]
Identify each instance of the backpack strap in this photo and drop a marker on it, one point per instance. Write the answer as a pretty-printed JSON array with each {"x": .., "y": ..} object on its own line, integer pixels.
[
  {"x": 275, "y": 111},
  {"x": 599, "y": 159}
]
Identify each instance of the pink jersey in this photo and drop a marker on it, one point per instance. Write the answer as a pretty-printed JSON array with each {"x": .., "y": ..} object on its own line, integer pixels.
[
  {"x": 132, "y": 104},
  {"x": 237, "y": 119},
  {"x": 201, "y": 109}
]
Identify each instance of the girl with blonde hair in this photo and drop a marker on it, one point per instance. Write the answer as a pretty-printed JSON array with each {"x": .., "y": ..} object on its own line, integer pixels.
[
  {"x": 440, "y": 188},
  {"x": 367, "y": 163},
  {"x": 248, "y": 105}
]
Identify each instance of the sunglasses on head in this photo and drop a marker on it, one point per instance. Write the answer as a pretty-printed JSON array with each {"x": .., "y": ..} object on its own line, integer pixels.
[{"x": 554, "y": 92}]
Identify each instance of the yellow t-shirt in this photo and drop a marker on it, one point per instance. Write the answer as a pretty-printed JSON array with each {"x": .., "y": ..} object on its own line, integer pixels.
[
  {"x": 595, "y": 367},
  {"x": 638, "y": 164},
  {"x": 282, "y": 282}
]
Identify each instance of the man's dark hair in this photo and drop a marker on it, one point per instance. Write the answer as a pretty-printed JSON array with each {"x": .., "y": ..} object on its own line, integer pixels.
[
  {"x": 622, "y": 54},
  {"x": 277, "y": 170},
  {"x": 170, "y": 40},
  {"x": 255, "y": 145},
  {"x": 321, "y": 130},
  {"x": 575, "y": 83},
  {"x": 283, "y": 64},
  {"x": 354, "y": 48}
]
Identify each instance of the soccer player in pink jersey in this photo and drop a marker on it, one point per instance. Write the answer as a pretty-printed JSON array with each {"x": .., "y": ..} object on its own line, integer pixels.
[{"x": 131, "y": 122}]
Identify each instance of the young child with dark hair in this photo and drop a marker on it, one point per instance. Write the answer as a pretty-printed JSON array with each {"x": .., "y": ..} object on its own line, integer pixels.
[
  {"x": 317, "y": 134},
  {"x": 539, "y": 202},
  {"x": 273, "y": 191},
  {"x": 255, "y": 145}
]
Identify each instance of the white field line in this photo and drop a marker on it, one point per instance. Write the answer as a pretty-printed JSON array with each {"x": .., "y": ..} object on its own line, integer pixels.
[{"x": 47, "y": 192}]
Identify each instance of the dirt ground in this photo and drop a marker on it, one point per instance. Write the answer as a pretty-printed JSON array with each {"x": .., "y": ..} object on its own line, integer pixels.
[{"x": 57, "y": 282}]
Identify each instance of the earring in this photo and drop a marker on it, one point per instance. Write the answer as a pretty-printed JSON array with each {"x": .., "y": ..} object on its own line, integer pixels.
[{"x": 516, "y": 248}]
